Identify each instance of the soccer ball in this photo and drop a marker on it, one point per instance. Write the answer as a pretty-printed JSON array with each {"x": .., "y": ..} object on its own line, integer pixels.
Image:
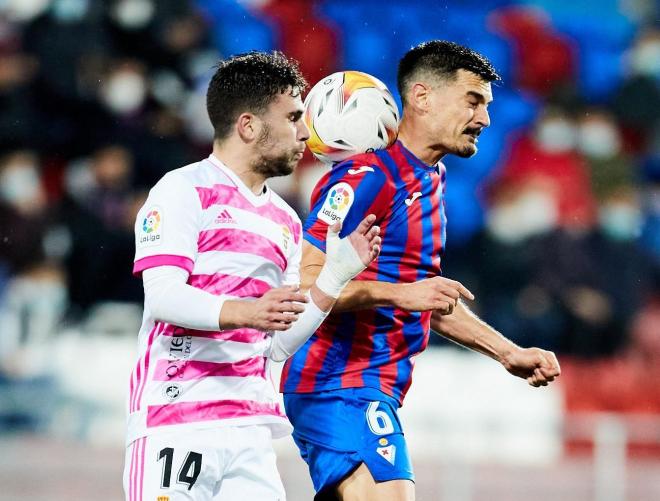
[{"x": 347, "y": 113}]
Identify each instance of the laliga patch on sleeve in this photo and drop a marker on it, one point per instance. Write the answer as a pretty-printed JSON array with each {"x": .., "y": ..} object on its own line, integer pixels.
[
  {"x": 151, "y": 231},
  {"x": 337, "y": 203}
]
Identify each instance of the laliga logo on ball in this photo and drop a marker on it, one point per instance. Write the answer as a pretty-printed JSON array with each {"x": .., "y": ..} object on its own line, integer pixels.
[{"x": 347, "y": 113}]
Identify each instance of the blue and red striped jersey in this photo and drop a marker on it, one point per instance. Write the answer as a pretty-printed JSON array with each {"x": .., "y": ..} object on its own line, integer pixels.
[{"x": 374, "y": 348}]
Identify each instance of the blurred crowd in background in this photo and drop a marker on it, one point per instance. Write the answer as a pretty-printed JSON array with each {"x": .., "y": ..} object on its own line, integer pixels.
[{"x": 554, "y": 225}]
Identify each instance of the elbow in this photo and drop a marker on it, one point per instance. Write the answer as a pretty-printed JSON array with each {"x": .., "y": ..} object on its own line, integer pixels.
[
  {"x": 278, "y": 355},
  {"x": 276, "y": 352}
]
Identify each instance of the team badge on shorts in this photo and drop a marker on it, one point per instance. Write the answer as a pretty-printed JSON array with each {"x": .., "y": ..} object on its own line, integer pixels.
[{"x": 387, "y": 452}]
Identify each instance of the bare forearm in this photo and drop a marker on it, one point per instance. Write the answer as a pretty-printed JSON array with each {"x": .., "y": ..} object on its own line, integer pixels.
[
  {"x": 358, "y": 294},
  {"x": 465, "y": 328}
]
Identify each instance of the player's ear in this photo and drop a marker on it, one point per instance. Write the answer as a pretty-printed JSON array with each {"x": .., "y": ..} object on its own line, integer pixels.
[
  {"x": 247, "y": 127},
  {"x": 418, "y": 97}
]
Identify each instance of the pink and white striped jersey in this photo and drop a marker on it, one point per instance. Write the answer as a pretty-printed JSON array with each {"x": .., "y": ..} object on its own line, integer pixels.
[{"x": 203, "y": 219}]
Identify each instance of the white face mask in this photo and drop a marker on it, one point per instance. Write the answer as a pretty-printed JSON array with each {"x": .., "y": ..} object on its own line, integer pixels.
[
  {"x": 599, "y": 140},
  {"x": 645, "y": 59},
  {"x": 556, "y": 135},
  {"x": 20, "y": 184},
  {"x": 22, "y": 11},
  {"x": 620, "y": 221},
  {"x": 124, "y": 92},
  {"x": 533, "y": 212},
  {"x": 133, "y": 14}
]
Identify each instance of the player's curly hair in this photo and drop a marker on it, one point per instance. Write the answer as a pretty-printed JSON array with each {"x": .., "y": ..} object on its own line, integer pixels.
[
  {"x": 249, "y": 83},
  {"x": 443, "y": 59}
]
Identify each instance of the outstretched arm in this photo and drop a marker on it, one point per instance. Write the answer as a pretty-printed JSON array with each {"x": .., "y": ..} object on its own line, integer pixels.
[
  {"x": 539, "y": 367},
  {"x": 346, "y": 258},
  {"x": 437, "y": 293}
]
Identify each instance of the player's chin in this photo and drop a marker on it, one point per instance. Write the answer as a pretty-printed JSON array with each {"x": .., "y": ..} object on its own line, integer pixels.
[{"x": 466, "y": 150}]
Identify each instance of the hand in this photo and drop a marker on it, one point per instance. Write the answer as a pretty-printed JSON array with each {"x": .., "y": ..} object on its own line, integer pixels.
[
  {"x": 365, "y": 240},
  {"x": 346, "y": 257},
  {"x": 437, "y": 293},
  {"x": 538, "y": 366},
  {"x": 276, "y": 310}
]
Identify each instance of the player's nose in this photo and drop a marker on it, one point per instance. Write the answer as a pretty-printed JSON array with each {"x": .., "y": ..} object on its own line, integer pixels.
[
  {"x": 303, "y": 131},
  {"x": 482, "y": 117}
]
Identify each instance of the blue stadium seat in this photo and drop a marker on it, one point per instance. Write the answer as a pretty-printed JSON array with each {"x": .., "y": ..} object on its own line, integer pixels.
[
  {"x": 600, "y": 73},
  {"x": 236, "y": 29}
]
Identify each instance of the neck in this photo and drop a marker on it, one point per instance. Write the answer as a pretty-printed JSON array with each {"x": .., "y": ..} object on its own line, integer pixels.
[
  {"x": 420, "y": 145},
  {"x": 236, "y": 160}
]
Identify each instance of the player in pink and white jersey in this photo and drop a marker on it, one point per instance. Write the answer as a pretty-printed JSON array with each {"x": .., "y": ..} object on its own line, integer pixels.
[{"x": 219, "y": 254}]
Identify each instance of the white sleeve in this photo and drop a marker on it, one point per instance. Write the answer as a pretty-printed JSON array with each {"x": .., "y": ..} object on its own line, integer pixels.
[
  {"x": 286, "y": 343},
  {"x": 170, "y": 299},
  {"x": 167, "y": 226}
]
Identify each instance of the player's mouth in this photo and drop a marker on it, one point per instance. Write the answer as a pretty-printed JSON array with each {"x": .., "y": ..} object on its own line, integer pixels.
[{"x": 473, "y": 134}]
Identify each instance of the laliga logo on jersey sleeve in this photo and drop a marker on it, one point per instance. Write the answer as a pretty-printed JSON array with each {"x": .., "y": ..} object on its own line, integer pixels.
[
  {"x": 152, "y": 228},
  {"x": 337, "y": 203}
]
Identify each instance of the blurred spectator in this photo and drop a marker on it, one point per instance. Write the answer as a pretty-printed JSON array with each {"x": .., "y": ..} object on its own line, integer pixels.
[
  {"x": 572, "y": 289},
  {"x": 20, "y": 115},
  {"x": 549, "y": 154},
  {"x": 599, "y": 140},
  {"x": 99, "y": 211},
  {"x": 637, "y": 102},
  {"x": 499, "y": 264},
  {"x": 31, "y": 248},
  {"x": 545, "y": 59}
]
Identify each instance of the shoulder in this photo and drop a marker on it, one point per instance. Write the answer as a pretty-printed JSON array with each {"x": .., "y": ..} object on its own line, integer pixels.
[
  {"x": 366, "y": 167},
  {"x": 178, "y": 184},
  {"x": 281, "y": 204}
]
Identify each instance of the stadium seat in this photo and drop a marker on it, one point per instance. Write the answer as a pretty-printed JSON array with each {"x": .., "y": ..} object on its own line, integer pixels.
[{"x": 236, "y": 29}]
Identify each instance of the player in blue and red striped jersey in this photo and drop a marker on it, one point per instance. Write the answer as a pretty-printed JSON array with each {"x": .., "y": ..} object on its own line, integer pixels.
[{"x": 343, "y": 387}]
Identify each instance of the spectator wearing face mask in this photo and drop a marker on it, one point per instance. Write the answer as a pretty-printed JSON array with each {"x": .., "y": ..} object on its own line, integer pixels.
[
  {"x": 600, "y": 142},
  {"x": 637, "y": 101},
  {"x": 34, "y": 296},
  {"x": 499, "y": 262},
  {"x": 548, "y": 153}
]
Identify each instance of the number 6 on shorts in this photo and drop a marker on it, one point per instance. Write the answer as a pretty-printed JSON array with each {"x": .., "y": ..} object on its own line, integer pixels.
[{"x": 379, "y": 421}]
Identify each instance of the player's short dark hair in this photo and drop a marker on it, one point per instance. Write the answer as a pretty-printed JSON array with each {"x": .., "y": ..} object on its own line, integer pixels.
[
  {"x": 249, "y": 83},
  {"x": 443, "y": 59}
]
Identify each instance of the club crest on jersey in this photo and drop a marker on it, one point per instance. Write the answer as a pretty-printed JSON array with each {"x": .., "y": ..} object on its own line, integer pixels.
[
  {"x": 151, "y": 231},
  {"x": 337, "y": 203},
  {"x": 388, "y": 453}
]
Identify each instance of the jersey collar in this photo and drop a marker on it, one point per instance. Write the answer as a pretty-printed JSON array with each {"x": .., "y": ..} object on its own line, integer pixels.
[
  {"x": 412, "y": 158},
  {"x": 256, "y": 200}
]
